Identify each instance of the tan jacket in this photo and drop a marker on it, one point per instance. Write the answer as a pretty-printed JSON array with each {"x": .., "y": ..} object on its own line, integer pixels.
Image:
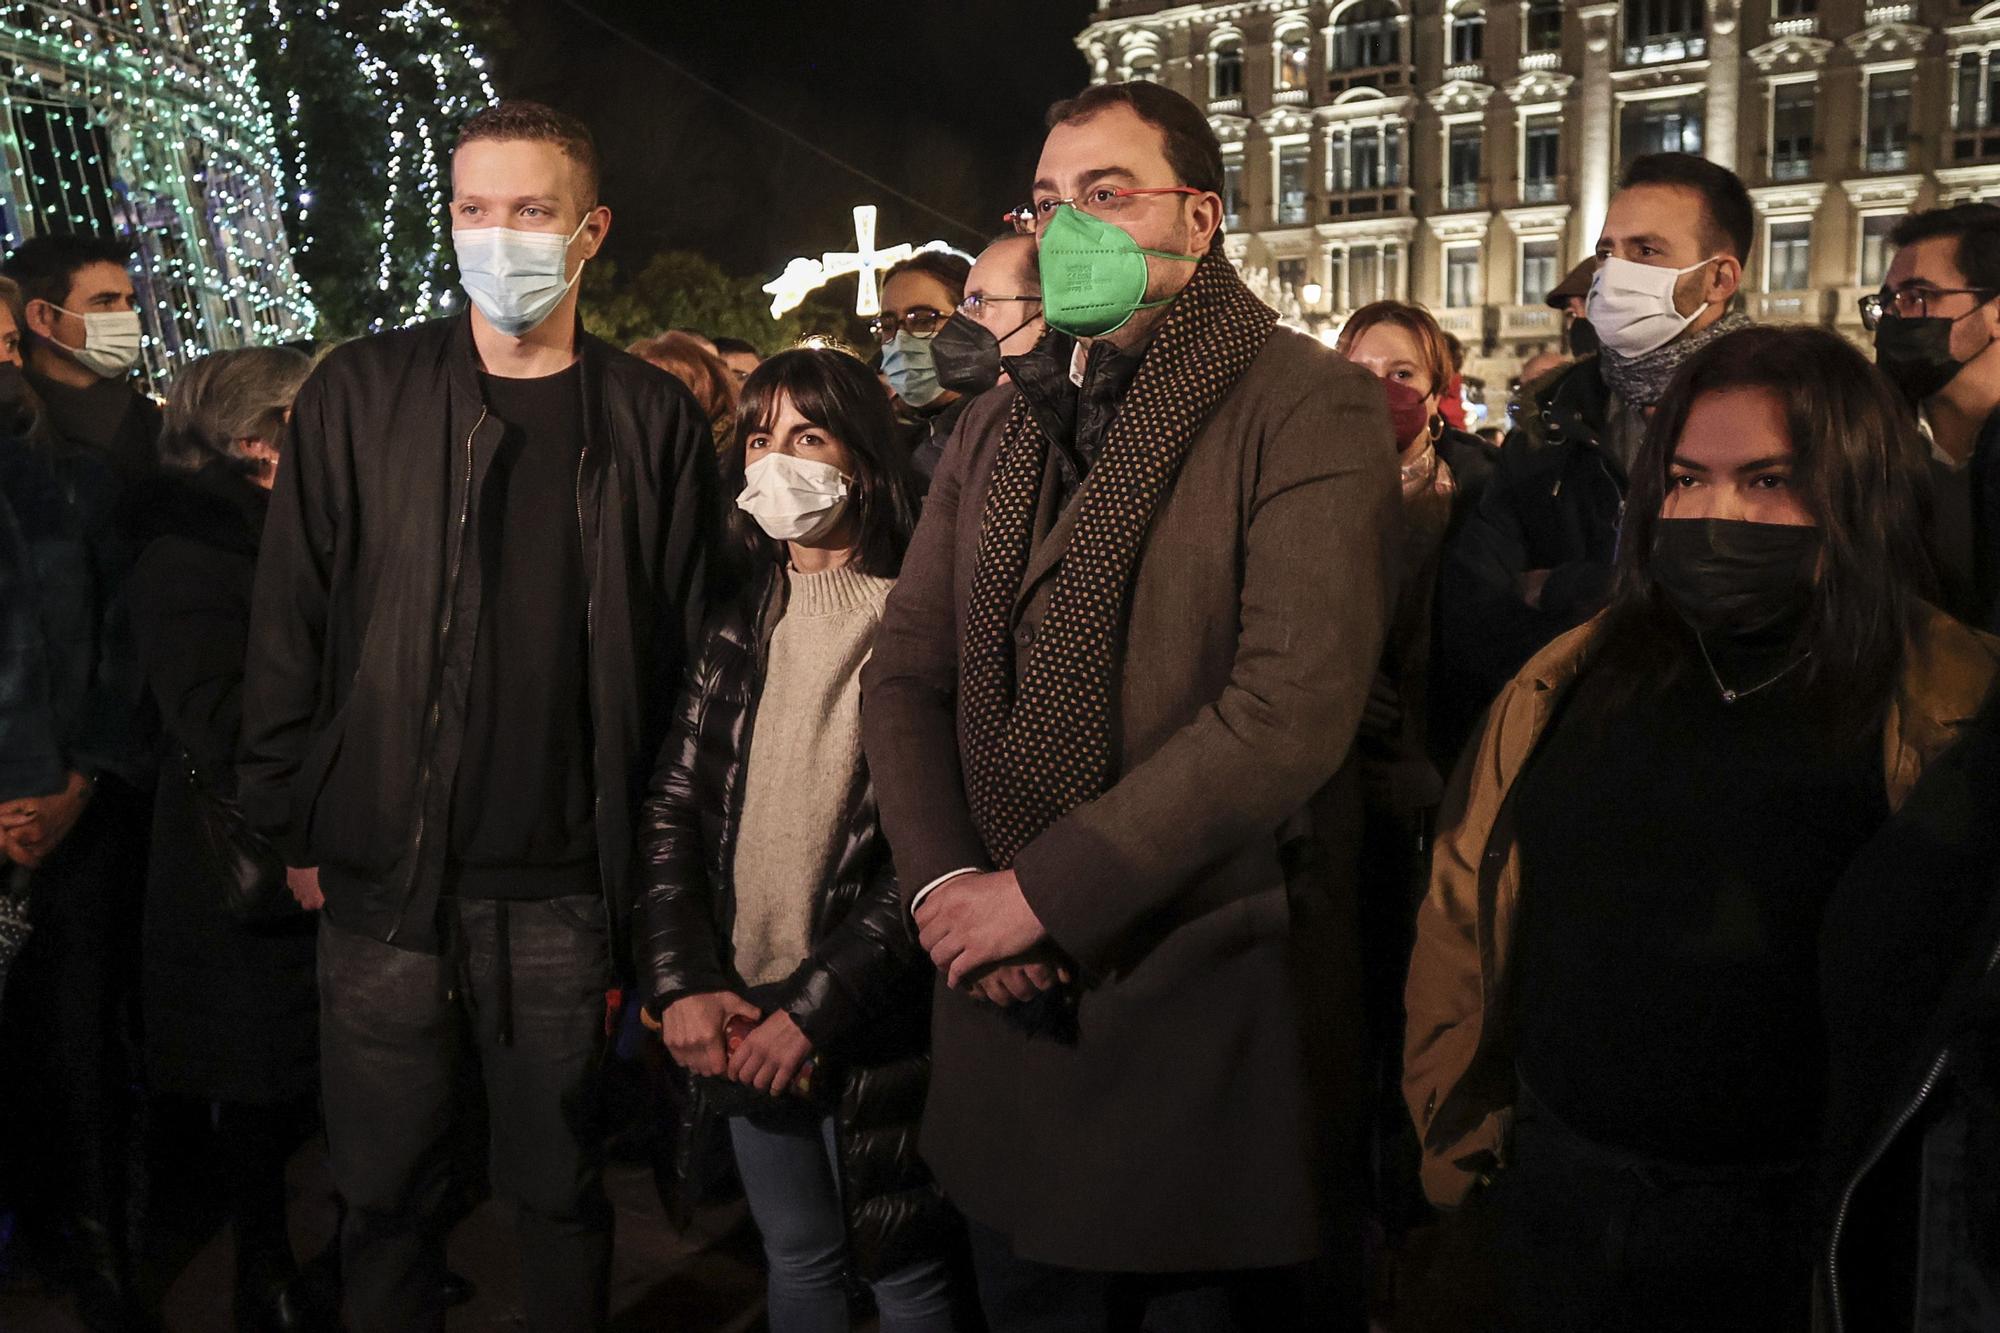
[{"x": 1457, "y": 1068}]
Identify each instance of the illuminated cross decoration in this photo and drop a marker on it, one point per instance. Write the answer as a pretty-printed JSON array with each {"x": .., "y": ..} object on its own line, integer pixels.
[{"x": 802, "y": 276}]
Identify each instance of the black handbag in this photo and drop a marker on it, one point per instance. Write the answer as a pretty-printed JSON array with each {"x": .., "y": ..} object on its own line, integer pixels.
[{"x": 248, "y": 873}]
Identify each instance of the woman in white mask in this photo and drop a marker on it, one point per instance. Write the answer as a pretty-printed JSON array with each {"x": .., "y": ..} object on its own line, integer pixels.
[{"x": 786, "y": 978}]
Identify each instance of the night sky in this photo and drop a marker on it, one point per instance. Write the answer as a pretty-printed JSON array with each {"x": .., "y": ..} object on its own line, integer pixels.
[{"x": 942, "y": 99}]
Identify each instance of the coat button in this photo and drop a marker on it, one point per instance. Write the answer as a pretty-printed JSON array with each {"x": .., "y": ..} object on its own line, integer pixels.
[{"x": 1024, "y": 635}]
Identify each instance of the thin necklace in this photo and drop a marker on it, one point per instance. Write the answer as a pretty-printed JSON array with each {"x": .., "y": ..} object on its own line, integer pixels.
[{"x": 1730, "y": 696}]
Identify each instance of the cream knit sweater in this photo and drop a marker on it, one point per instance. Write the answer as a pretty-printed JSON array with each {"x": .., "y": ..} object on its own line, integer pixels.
[{"x": 804, "y": 749}]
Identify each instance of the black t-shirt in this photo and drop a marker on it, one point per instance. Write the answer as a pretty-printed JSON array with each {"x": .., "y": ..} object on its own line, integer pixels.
[
  {"x": 1677, "y": 855},
  {"x": 521, "y": 810}
]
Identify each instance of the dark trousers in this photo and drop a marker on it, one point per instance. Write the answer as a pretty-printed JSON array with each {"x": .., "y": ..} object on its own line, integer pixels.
[
  {"x": 1023, "y": 1296},
  {"x": 66, "y": 1049},
  {"x": 394, "y": 1026},
  {"x": 1572, "y": 1237}
]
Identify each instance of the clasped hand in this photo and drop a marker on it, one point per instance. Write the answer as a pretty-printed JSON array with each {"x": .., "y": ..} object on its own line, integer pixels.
[
  {"x": 35, "y": 826},
  {"x": 694, "y": 1029},
  {"x": 980, "y": 933}
]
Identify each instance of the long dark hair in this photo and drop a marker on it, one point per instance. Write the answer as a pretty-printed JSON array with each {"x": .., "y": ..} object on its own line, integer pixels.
[
  {"x": 1860, "y": 470},
  {"x": 839, "y": 394}
]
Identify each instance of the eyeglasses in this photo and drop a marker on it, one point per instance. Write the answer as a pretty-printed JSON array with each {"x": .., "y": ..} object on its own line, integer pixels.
[
  {"x": 1103, "y": 202},
  {"x": 974, "y": 306},
  {"x": 1914, "y": 303},
  {"x": 923, "y": 322}
]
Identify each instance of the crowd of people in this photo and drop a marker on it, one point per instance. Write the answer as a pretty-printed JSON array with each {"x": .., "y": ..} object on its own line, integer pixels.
[{"x": 1107, "y": 814}]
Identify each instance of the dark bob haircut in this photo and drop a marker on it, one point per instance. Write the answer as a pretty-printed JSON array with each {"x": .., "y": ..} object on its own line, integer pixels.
[
  {"x": 839, "y": 394},
  {"x": 1860, "y": 470}
]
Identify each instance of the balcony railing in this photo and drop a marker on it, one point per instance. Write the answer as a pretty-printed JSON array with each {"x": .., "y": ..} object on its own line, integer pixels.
[
  {"x": 1539, "y": 60},
  {"x": 1467, "y": 194},
  {"x": 1666, "y": 49},
  {"x": 1469, "y": 71},
  {"x": 1292, "y": 210},
  {"x": 1540, "y": 191},
  {"x": 1793, "y": 307},
  {"x": 1791, "y": 167},
  {"x": 1375, "y": 76},
  {"x": 1291, "y": 96},
  {"x": 1225, "y": 106},
  {"x": 1799, "y": 25},
  {"x": 1530, "y": 321},
  {"x": 1891, "y": 14},
  {"x": 1387, "y": 201},
  {"x": 1887, "y": 159},
  {"x": 1467, "y": 322}
]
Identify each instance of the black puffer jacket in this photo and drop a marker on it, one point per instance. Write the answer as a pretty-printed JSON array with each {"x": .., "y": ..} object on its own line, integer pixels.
[{"x": 862, "y": 997}]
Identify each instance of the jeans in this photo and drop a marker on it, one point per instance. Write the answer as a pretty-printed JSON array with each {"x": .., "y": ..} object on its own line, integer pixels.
[
  {"x": 790, "y": 1176},
  {"x": 1574, "y": 1237},
  {"x": 395, "y": 1024},
  {"x": 1026, "y": 1296}
]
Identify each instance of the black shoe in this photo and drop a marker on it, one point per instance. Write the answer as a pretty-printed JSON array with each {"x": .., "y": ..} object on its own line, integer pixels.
[{"x": 457, "y": 1290}]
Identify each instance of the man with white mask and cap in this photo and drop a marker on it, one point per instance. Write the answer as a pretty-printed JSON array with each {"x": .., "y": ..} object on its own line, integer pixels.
[
  {"x": 1534, "y": 559},
  {"x": 486, "y": 554}
]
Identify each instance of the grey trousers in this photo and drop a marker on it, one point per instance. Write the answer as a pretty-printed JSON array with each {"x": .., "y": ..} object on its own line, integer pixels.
[{"x": 522, "y": 992}]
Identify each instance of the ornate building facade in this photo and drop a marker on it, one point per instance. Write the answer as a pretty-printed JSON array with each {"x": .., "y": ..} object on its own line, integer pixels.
[
  {"x": 142, "y": 119},
  {"x": 1461, "y": 153}
]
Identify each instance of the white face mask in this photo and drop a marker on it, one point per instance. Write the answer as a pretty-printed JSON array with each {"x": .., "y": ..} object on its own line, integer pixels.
[
  {"x": 515, "y": 277},
  {"x": 794, "y": 499},
  {"x": 1631, "y": 305},
  {"x": 110, "y": 342}
]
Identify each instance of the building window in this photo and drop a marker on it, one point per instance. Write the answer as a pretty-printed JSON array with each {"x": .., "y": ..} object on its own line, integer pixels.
[
  {"x": 1368, "y": 36},
  {"x": 1790, "y": 9},
  {"x": 1294, "y": 61},
  {"x": 1545, "y": 25},
  {"x": 1788, "y": 260},
  {"x": 1462, "y": 146},
  {"x": 1791, "y": 131},
  {"x": 1366, "y": 157},
  {"x": 1875, "y": 248},
  {"x": 1539, "y": 274},
  {"x": 1364, "y": 274},
  {"x": 1659, "y": 126},
  {"x": 1291, "y": 276},
  {"x": 1976, "y": 107},
  {"x": 1663, "y": 30},
  {"x": 1232, "y": 190},
  {"x": 1541, "y": 159},
  {"x": 1145, "y": 65},
  {"x": 1293, "y": 161},
  {"x": 1468, "y": 35},
  {"x": 1461, "y": 276},
  {"x": 1888, "y": 143},
  {"x": 1225, "y": 71}
]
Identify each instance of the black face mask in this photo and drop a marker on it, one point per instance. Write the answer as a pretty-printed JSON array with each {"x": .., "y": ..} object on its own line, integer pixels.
[
  {"x": 967, "y": 355},
  {"x": 1725, "y": 576},
  {"x": 1916, "y": 354},
  {"x": 1582, "y": 338}
]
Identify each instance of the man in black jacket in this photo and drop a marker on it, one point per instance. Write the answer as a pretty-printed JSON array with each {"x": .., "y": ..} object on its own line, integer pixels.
[
  {"x": 484, "y": 559},
  {"x": 1937, "y": 336},
  {"x": 1535, "y": 559}
]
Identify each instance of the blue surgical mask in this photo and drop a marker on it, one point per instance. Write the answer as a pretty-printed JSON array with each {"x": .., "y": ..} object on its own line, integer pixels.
[
  {"x": 516, "y": 278},
  {"x": 906, "y": 360}
]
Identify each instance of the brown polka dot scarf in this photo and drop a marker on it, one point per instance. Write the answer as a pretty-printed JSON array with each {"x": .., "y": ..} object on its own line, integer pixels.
[{"x": 1034, "y": 755}]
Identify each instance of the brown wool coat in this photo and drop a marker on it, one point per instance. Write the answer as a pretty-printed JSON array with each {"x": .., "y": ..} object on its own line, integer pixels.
[
  {"x": 1457, "y": 1065},
  {"x": 1185, "y": 1127}
]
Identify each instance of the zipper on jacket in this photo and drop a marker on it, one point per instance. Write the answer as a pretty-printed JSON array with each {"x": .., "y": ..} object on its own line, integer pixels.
[
  {"x": 1868, "y": 1163},
  {"x": 444, "y": 632},
  {"x": 589, "y": 645}
]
